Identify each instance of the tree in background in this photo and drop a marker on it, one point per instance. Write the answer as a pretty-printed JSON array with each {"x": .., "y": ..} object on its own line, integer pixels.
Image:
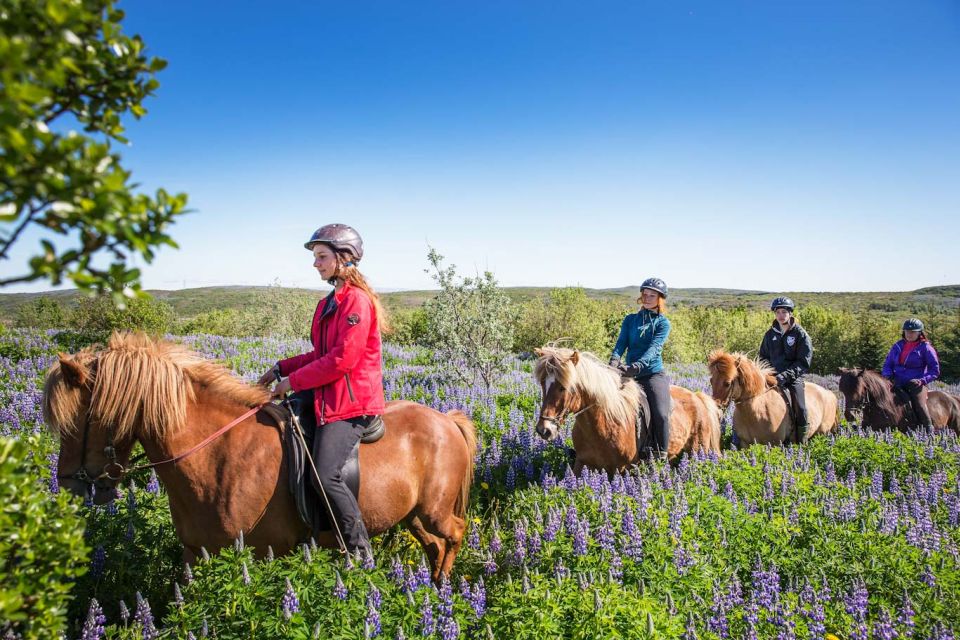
[
  {"x": 470, "y": 322},
  {"x": 589, "y": 324},
  {"x": 67, "y": 65},
  {"x": 871, "y": 342}
]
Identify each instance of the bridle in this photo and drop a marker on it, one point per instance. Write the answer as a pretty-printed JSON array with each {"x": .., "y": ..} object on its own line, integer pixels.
[
  {"x": 740, "y": 401},
  {"x": 113, "y": 471}
]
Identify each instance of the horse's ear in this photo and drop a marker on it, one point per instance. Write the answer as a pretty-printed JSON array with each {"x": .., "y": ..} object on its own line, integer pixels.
[
  {"x": 74, "y": 373},
  {"x": 843, "y": 370},
  {"x": 537, "y": 351},
  {"x": 575, "y": 358}
]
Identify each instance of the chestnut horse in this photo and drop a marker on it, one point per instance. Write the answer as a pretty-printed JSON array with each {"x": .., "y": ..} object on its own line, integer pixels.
[
  {"x": 870, "y": 395},
  {"x": 760, "y": 412},
  {"x": 605, "y": 405},
  {"x": 171, "y": 401}
]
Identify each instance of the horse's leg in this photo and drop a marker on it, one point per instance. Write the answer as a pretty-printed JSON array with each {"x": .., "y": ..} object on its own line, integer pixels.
[
  {"x": 447, "y": 529},
  {"x": 577, "y": 467},
  {"x": 432, "y": 545}
]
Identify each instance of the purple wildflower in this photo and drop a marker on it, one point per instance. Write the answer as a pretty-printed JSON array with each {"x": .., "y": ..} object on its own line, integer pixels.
[
  {"x": 289, "y": 602},
  {"x": 93, "y": 627},
  {"x": 339, "y": 590}
]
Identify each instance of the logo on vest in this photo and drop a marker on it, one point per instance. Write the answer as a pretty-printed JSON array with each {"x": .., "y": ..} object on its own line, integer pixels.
[{"x": 791, "y": 340}]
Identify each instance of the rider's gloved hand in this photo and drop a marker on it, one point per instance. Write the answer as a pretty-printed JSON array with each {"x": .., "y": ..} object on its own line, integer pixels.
[
  {"x": 782, "y": 380},
  {"x": 268, "y": 378},
  {"x": 914, "y": 384},
  {"x": 632, "y": 370}
]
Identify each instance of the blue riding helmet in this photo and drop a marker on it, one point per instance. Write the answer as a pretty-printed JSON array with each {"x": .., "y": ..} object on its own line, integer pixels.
[
  {"x": 656, "y": 284},
  {"x": 913, "y": 324},
  {"x": 782, "y": 302}
]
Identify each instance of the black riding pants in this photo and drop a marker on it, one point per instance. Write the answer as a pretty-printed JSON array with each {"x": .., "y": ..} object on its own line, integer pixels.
[
  {"x": 798, "y": 394},
  {"x": 657, "y": 388},
  {"x": 918, "y": 403},
  {"x": 332, "y": 445}
]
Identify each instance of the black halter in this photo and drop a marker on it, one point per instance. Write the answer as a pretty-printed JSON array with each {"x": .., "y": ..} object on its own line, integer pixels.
[{"x": 111, "y": 472}]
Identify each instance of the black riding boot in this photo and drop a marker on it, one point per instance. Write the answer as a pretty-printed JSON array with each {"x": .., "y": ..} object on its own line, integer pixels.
[{"x": 801, "y": 421}]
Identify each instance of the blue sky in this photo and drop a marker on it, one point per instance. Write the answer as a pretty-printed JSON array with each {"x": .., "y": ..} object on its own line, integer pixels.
[{"x": 809, "y": 145}]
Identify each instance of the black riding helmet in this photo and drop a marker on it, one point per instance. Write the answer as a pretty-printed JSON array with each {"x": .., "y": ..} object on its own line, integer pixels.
[
  {"x": 913, "y": 324},
  {"x": 343, "y": 238},
  {"x": 782, "y": 302},
  {"x": 656, "y": 284}
]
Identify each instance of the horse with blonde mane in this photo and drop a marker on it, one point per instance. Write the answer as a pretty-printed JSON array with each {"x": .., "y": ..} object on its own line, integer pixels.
[
  {"x": 220, "y": 455},
  {"x": 606, "y": 404},
  {"x": 760, "y": 412}
]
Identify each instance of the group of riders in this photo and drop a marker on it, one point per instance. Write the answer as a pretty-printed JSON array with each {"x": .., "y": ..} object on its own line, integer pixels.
[{"x": 342, "y": 377}]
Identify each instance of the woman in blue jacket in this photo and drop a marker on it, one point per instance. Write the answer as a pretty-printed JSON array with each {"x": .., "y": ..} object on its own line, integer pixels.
[{"x": 642, "y": 336}]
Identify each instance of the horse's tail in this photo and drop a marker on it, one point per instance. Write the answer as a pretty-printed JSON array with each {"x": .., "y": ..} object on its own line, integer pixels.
[{"x": 469, "y": 433}]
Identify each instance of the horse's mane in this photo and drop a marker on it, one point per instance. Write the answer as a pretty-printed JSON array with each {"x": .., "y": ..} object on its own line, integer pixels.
[
  {"x": 138, "y": 379},
  {"x": 614, "y": 397},
  {"x": 755, "y": 374},
  {"x": 875, "y": 386}
]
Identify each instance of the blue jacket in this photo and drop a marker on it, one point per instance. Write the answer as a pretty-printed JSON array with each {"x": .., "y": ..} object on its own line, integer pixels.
[
  {"x": 642, "y": 336},
  {"x": 922, "y": 364}
]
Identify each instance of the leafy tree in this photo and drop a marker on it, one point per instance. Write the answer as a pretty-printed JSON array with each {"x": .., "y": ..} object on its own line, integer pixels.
[
  {"x": 470, "y": 322},
  {"x": 96, "y": 318},
  {"x": 43, "y": 312},
  {"x": 568, "y": 312},
  {"x": 871, "y": 342},
  {"x": 66, "y": 67},
  {"x": 949, "y": 352}
]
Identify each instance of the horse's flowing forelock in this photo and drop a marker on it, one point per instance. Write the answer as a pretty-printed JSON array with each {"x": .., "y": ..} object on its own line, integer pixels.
[
  {"x": 596, "y": 383},
  {"x": 146, "y": 385}
]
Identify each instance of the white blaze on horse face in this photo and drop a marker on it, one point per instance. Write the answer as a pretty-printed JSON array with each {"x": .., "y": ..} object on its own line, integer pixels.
[{"x": 547, "y": 384}]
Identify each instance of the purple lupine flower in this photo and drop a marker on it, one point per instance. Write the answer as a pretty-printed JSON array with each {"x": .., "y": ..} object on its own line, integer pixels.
[
  {"x": 449, "y": 629},
  {"x": 187, "y": 574},
  {"x": 855, "y": 603},
  {"x": 372, "y": 621},
  {"x": 552, "y": 527},
  {"x": 98, "y": 561},
  {"x": 580, "y": 539},
  {"x": 54, "y": 483},
  {"x": 905, "y": 619},
  {"x": 519, "y": 541},
  {"x": 177, "y": 595},
  {"x": 368, "y": 562},
  {"x": 339, "y": 589},
  {"x": 616, "y": 568},
  {"x": 427, "y": 622},
  {"x": 478, "y": 597},
  {"x": 397, "y": 573},
  {"x": 144, "y": 617},
  {"x": 153, "y": 485},
  {"x": 124, "y": 613},
  {"x": 244, "y": 573},
  {"x": 489, "y": 565},
  {"x": 289, "y": 602},
  {"x": 423, "y": 574},
  {"x": 473, "y": 540},
  {"x": 571, "y": 520},
  {"x": 682, "y": 559},
  {"x": 496, "y": 544},
  {"x": 927, "y": 577},
  {"x": 511, "y": 479},
  {"x": 93, "y": 627},
  {"x": 883, "y": 627}
]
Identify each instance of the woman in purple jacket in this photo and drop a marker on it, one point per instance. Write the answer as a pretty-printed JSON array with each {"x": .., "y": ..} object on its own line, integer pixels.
[{"x": 911, "y": 365}]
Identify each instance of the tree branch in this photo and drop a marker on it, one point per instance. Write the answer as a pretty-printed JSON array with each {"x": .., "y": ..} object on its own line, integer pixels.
[{"x": 23, "y": 225}]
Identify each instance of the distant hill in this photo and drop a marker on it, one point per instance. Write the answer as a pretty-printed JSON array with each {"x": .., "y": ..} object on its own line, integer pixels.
[{"x": 190, "y": 302}]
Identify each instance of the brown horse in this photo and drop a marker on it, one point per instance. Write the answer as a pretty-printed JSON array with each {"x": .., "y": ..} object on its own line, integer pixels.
[
  {"x": 605, "y": 405},
  {"x": 870, "y": 395},
  {"x": 760, "y": 412},
  {"x": 169, "y": 400}
]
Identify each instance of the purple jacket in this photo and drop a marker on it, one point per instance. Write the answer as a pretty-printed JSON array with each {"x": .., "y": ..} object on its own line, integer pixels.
[{"x": 922, "y": 364}]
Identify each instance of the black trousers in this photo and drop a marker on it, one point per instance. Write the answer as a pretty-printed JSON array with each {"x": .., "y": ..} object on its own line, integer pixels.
[
  {"x": 798, "y": 394},
  {"x": 657, "y": 388},
  {"x": 332, "y": 444},
  {"x": 917, "y": 397}
]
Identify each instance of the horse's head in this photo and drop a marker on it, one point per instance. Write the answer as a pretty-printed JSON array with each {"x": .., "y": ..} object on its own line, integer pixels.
[
  {"x": 734, "y": 376},
  {"x": 556, "y": 372},
  {"x": 724, "y": 375},
  {"x": 92, "y": 455},
  {"x": 852, "y": 387}
]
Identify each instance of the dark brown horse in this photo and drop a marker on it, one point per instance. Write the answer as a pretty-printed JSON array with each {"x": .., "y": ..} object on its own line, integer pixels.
[
  {"x": 870, "y": 397},
  {"x": 605, "y": 405},
  {"x": 170, "y": 400}
]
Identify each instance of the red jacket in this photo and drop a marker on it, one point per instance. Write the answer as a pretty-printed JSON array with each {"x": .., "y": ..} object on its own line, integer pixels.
[{"x": 345, "y": 366}]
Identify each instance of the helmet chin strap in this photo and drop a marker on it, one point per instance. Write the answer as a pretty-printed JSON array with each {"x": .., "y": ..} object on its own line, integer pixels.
[{"x": 336, "y": 274}]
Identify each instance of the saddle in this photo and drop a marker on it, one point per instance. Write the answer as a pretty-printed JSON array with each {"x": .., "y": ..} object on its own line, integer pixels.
[{"x": 297, "y": 453}]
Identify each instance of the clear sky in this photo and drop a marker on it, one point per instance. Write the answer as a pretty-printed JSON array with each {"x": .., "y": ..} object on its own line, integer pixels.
[{"x": 803, "y": 145}]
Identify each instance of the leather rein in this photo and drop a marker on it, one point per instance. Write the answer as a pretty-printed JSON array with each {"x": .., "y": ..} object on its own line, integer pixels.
[{"x": 113, "y": 471}]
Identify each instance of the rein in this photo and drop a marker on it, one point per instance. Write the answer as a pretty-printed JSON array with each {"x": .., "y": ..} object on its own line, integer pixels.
[{"x": 113, "y": 471}]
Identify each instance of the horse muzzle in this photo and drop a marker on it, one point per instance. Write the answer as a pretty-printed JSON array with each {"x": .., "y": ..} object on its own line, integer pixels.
[{"x": 547, "y": 428}]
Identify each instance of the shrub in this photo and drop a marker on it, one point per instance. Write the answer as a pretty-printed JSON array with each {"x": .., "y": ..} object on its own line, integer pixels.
[
  {"x": 589, "y": 324},
  {"x": 41, "y": 548},
  {"x": 96, "y": 318}
]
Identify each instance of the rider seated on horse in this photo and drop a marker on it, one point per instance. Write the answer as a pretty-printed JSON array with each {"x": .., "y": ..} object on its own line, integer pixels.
[
  {"x": 642, "y": 336},
  {"x": 342, "y": 377},
  {"x": 911, "y": 365},
  {"x": 787, "y": 347}
]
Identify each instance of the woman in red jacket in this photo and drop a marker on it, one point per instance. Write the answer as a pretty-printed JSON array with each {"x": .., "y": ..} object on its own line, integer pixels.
[{"x": 343, "y": 373}]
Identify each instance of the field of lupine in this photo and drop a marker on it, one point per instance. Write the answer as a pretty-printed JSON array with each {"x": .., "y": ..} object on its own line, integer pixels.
[{"x": 854, "y": 536}]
